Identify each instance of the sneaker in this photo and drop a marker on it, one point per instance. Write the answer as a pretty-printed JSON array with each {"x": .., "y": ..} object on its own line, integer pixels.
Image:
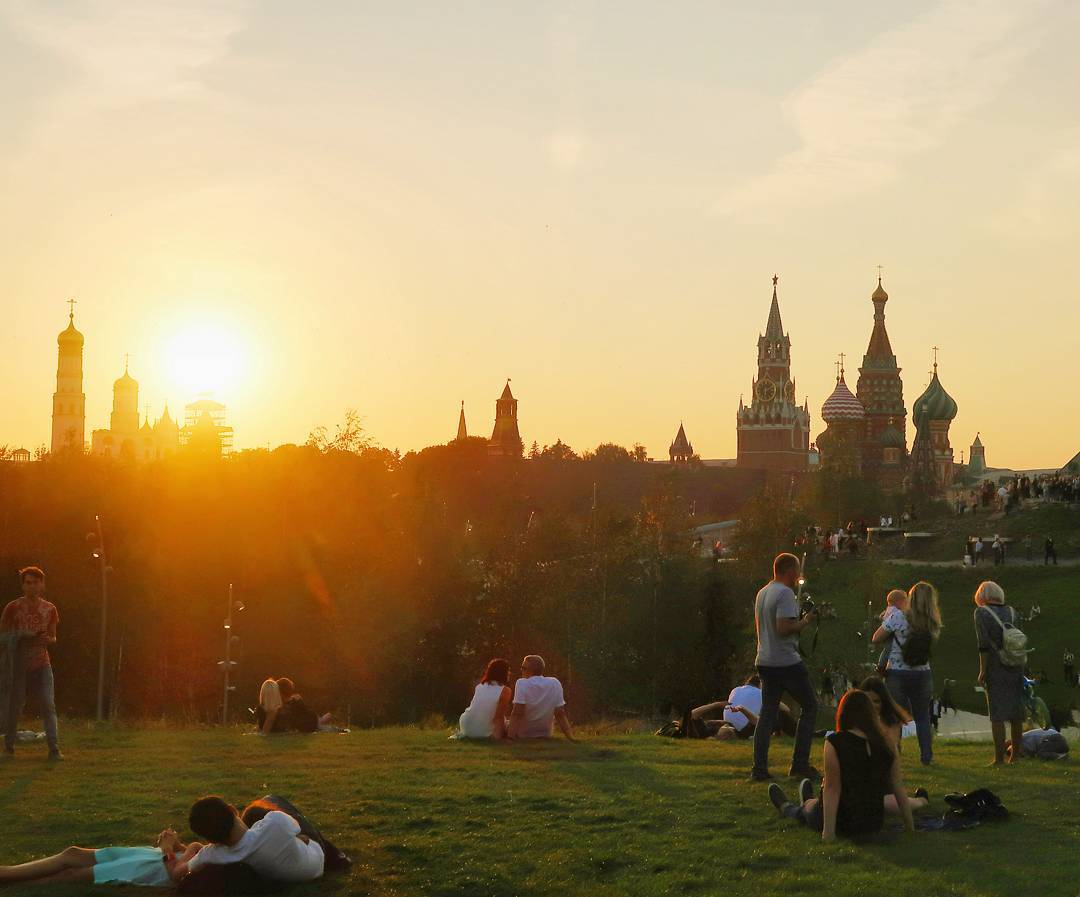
[
  {"x": 804, "y": 772},
  {"x": 55, "y": 754},
  {"x": 806, "y": 791},
  {"x": 756, "y": 776},
  {"x": 777, "y": 797}
]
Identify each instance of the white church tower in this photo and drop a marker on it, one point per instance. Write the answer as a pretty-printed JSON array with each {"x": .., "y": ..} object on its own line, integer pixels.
[{"x": 69, "y": 400}]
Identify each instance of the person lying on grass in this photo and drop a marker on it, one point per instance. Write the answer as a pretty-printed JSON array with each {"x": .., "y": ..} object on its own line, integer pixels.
[
  {"x": 273, "y": 847},
  {"x": 862, "y": 778},
  {"x": 107, "y": 865},
  {"x": 740, "y": 713}
]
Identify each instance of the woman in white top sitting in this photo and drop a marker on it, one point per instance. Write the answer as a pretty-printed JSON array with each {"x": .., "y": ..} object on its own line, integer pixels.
[{"x": 486, "y": 716}]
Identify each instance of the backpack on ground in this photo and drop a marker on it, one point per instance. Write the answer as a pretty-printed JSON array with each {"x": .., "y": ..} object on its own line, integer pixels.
[
  {"x": 1014, "y": 650},
  {"x": 916, "y": 649}
]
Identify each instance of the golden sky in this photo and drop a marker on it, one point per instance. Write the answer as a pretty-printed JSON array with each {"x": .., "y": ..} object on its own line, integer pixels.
[{"x": 396, "y": 206}]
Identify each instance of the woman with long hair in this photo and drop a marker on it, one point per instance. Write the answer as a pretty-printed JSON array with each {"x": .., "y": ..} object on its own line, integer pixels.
[
  {"x": 893, "y": 717},
  {"x": 912, "y": 636},
  {"x": 862, "y": 778},
  {"x": 1004, "y": 685},
  {"x": 486, "y": 715}
]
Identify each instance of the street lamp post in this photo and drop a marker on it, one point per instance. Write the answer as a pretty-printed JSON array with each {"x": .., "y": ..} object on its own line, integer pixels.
[
  {"x": 228, "y": 663},
  {"x": 99, "y": 555}
]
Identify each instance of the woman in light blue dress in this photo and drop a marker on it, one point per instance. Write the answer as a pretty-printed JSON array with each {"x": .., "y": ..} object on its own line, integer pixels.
[{"x": 148, "y": 866}]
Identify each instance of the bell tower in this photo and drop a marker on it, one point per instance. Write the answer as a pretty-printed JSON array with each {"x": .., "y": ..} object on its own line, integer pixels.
[{"x": 69, "y": 400}]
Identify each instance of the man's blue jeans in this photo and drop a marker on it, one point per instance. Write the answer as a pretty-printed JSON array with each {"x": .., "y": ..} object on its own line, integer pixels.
[
  {"x": 914, "y": 689},
  {"x": 795, "y": 680},
  {"x": 39, "y": 685}
]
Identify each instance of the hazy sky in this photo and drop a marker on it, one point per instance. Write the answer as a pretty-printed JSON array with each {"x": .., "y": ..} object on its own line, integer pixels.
[{"x": 396, "y": 206}]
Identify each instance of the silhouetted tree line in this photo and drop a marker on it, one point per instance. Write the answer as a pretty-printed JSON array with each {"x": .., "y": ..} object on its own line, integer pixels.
[{"x": 382, "y": 584}]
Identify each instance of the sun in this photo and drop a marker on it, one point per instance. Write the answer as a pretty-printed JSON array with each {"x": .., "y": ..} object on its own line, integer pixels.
[{"x": 205, "y": 357}]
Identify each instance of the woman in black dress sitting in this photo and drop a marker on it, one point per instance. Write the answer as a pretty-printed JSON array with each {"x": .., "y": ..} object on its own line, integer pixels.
[{"x": 862, "y": 778}]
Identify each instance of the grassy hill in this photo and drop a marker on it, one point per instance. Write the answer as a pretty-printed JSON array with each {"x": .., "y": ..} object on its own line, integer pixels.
[
  {"x": 623, "y": 814},
  {"x": 852, "y": 584}
]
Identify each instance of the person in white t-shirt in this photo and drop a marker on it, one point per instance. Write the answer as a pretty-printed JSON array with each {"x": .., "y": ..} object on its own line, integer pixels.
[
  {"x": 538, "y": 703},
  {"x": 739, "y": 713},
  {"x": 273, "y": 847}
]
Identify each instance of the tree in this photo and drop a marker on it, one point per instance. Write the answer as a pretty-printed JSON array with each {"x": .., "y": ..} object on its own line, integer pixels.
[
  {"x": 639, "y": 452},
  {"x": 609, "y": 453},
  {"x": 560, "y": 451},
  {"x": 349, "y": 436}
]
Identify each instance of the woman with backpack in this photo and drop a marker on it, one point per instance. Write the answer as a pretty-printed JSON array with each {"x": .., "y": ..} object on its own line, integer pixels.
[
  {"x": 912, "y": 635},
  {"x": 1001, "y": 668}
]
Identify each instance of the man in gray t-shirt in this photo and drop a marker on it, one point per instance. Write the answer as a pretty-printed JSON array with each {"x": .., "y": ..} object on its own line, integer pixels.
[{"x": 776, "y": 617}]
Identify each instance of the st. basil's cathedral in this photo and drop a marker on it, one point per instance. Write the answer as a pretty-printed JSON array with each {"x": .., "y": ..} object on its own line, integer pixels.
[{"x": 865, "y": 431}]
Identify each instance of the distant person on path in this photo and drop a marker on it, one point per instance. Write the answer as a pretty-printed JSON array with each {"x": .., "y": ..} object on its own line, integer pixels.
[
  {"x": 486, "y": 715},
  {"x": 999, "y": 551},
  {"x": 1027, "y": 547},
  {"x": 538, "y": 703},
  {"x": 37, "y": 620},
  {"x": 1070, "y": 670},
  {"x": 1004, "y": 683},
  {"x": 979, "y": 548},
  {"x": 862, "y": 778},
  {"x": 1049, "y": 551},
  {"x": 912, "y": 636},
  {"x": 780, "y": 666}
]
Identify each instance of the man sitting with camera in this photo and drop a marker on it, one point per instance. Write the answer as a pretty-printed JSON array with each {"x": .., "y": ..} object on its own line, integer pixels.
[{"x": 780, "y": 666}]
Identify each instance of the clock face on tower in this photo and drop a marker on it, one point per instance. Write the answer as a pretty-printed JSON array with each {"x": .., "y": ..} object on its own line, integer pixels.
[
  {"x": 766, "y": 390},
  {"x": 789, "y": 391}
]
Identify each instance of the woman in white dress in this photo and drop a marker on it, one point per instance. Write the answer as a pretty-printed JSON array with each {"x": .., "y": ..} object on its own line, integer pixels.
[{"x": 486, "y": 716}]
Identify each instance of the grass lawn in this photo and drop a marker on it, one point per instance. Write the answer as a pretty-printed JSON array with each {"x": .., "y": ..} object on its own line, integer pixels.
[
  {"x": 615, "y": 814},
  {"x": 850, "y": 584}
]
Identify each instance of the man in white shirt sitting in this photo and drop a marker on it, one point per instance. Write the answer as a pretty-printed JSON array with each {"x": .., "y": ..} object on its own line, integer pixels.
[
  {"x": 273, "y": 847},
  {"x": 538, "y": 702}
]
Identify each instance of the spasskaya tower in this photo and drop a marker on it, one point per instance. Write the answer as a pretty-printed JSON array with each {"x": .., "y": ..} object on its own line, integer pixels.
[{"x": 773, "y": 431}]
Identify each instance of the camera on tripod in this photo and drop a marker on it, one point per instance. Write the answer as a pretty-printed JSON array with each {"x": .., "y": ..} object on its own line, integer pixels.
[{"x": 824, "y": 609}]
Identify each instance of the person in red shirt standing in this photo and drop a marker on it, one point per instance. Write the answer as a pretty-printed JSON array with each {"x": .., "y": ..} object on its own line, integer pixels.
[{"x": 36, "y": 619}]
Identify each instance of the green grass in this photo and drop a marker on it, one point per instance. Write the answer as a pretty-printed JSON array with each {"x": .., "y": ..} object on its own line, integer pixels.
[
  {"x": 851, "y": 584},
  {"x": 625, "y": 814}
]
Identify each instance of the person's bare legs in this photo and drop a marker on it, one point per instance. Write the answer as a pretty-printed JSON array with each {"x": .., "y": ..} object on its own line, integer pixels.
[
  {"x": 75, "y": 873},
  {"x": 72, "y": 858},
  {"x": 891, "y": 806},
  {"x": 999, "y": 742},
  {"x": 1017, "y": 751}
]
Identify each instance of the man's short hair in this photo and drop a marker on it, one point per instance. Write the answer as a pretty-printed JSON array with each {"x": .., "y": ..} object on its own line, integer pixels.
[
  {"x": 784, "y": 563},
  {"x": 212, "y": 818},
  {"x": 35, "y": 572},
  {"x": 534, "y": 663},
  {"x": 753, "y": 679}
]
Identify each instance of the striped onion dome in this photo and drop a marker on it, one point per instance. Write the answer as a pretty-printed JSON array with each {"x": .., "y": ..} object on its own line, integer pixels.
[{"x": 842, "y": 405}]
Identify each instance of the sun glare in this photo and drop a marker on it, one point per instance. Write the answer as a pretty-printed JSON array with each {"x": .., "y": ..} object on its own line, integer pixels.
[{"x": 204, "y": 357}]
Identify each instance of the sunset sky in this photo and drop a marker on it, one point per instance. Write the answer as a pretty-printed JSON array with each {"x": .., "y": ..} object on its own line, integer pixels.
[{"x": 396, "y": 206}]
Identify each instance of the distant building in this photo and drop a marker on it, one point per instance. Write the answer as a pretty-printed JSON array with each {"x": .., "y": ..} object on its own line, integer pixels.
[
  {"x": 205, "y": 429},
  {"x": 977, "y": 461},
  {"x": 881, "y": 392},
  {"x": 462, "y": 430},
  {"x": 840, "y": 445},
  {"x": 19, "y": 456},
  {"x": 773, "y": 432},
  {"x": 681, "y": 450},
  {"x": 505, "y": 439},
  {"x": 69, "y": 400},
  {"x": 931, "y": 454},
  {"x": 125, "y": 439}
]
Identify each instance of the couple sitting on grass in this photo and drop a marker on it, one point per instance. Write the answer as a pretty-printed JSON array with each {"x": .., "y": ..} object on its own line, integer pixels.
[
  {"x": 282, "y": 709},
  {"x": 270, "y": 843},
  {"x": 536, "y": 705}
]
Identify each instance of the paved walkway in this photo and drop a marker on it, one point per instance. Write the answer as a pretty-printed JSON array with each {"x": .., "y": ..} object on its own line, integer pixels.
[{"x": 1012, "y": 562}]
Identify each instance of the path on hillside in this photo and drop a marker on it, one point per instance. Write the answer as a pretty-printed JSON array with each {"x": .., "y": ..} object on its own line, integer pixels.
[{"x": 1012, "y": 562}]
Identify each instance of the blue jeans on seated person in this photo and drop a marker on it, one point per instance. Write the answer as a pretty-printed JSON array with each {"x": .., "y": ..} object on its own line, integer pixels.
[
  {"x": 914, "y": 689},
  {"x": 795, "y": 680}
]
